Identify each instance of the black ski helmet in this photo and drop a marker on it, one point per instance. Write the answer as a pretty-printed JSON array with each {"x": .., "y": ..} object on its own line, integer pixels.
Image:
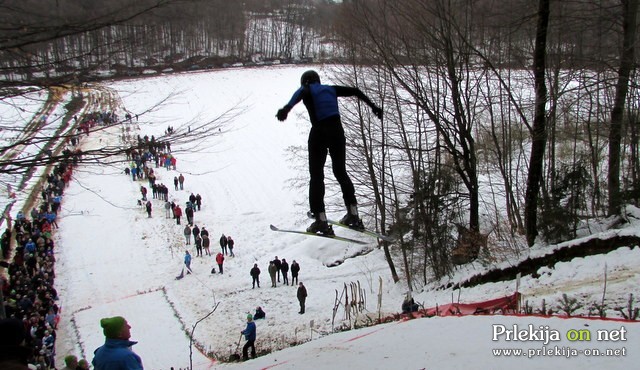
[{"x": 309, "y": 77}]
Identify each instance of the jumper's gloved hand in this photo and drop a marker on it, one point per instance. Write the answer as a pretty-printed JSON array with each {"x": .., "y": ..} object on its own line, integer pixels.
[
  {"x": 282, "y": 113},
  {"x": 377, "y": 111}
]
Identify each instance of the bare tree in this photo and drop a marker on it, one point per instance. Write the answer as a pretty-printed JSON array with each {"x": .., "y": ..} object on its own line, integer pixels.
[
  {"x": 423, "y": 49},
  {"x": 627, "y": 58},
  {"x": 47, "y": 139},
  {"x": 538, "y": 131}
]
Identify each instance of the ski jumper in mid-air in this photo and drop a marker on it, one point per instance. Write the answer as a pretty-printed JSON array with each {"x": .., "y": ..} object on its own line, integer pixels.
[{"x": 327, "y": 137}]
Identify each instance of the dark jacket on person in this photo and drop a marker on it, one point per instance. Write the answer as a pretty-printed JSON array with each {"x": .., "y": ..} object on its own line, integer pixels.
[
  {"x": 205, "y": 241},
  {"x": 302, "y": 292},
  {"x": 321, "y": 100},
  {"x": 255, "y": 272},
  {"x": 409, "y": 305},
  {"x": 277, "y": 263},
  {"x": 295, "y": 267},
  {"x": 260, "y": 314}
]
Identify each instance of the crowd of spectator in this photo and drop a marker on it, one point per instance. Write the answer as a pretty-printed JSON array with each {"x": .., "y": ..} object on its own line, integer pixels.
[{"x": 28, "y": 254}]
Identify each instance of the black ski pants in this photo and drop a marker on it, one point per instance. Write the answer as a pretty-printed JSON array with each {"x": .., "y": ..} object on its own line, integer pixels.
[
  {"x": 327, "y": 137},
  {"x": 245, "y": 350}
]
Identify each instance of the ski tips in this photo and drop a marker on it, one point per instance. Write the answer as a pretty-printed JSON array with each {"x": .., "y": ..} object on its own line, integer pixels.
[{"x": 273, "y": 228}]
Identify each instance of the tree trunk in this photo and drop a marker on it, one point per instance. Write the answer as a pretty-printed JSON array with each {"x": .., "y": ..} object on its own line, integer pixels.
[
  {"x": 630, "y": 8},
  {"x": 538, "y": 134}
]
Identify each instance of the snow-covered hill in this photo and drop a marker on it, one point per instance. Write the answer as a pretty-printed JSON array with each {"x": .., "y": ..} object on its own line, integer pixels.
[{"x": 113, "y": 260}]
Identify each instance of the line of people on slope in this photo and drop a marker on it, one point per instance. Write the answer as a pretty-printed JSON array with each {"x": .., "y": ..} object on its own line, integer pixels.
[{"x": 30, "y": 299}]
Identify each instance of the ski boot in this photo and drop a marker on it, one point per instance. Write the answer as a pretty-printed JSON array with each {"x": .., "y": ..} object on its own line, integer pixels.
[
  {"x": 351, "y": 219},
  {"x": 321, "y": 226}
]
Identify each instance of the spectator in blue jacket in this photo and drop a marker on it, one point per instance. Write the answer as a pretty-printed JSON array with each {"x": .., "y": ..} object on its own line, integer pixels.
[
  {"x": 187, "y": 261},
  {"x": 30, "y": 246},
  {"x": 250, "y": 335},
  {"x": 116, "y": 352},
  {"x": 51, "y": 217}
]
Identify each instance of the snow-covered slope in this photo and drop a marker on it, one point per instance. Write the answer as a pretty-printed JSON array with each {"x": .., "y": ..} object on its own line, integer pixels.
[{"x": 113, "y": 260}]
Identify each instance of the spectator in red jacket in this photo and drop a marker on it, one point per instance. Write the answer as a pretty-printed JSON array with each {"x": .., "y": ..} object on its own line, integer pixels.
[
  {"x": 219, "y": 261},
  {"x": 177, "y": 213}
]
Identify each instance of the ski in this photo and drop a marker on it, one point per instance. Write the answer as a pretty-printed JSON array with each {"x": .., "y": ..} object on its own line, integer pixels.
[
  {"x": 335, "y": 237},
  {"x": 365, "y": 231}
]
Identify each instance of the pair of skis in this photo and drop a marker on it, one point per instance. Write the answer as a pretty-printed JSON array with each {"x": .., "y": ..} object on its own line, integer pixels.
[{"x": 337, "y": 237}]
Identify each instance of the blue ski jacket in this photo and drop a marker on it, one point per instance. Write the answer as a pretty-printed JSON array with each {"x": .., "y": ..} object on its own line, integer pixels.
[
  {"x": 322, "y": 100},
  {"x": 116, "y": 354},
  {"x": 250, "y": 331}
]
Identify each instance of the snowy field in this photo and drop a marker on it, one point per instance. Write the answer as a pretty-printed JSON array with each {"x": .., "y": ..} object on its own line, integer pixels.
[{"x": 113, "y": 260}]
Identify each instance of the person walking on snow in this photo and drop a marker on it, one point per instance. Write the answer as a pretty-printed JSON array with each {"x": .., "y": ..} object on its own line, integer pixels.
[
  {"x": 187, "y": 261},
  {"x": 220, "y": 261},
  {"x": 302, "y": 297},
  {"x": 295, "y": 268},
  {"x": 181, "y": 181},
  {"x": 230, "y": 244},
  {"x": 195, "y": 231},
  {"x": 250, "y": 335},
  {"x": 255, "y": 275},
  {"x": 187, "y": 234},
  {"x": 272, "y": 273},
  {"x": 284, "y": 267},
  {"x": 189, "y": 213},
  {"x": 198, "y": 201},
  {"x": 223, "y": 244},
  {"x": 327, "y": 137},
  {"x": 148, "y": 208},
  {"x": 173, "y": 162},
  {"x": 206, "y": 243},
  {"x": 177, "y": 213},
  {"x": 167, "y": 209},
  {"x": 198, "y": 243},
  {"x": 278, "y": 264},
  {"x": 175, "y": 182}
]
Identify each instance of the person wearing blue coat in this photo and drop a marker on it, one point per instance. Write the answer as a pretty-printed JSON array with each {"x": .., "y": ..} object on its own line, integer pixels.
[
  {"x": 30, "y": 246},
  {"x": 116, "y": 353},
  {"x": 51, "y": 217},
  {"x": 250, "y": 335},
  {"x": 187, "y": 261}
]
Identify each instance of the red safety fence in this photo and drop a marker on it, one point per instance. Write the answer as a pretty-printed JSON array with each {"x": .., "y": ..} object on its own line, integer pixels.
[{"x": 505, "y": 305}]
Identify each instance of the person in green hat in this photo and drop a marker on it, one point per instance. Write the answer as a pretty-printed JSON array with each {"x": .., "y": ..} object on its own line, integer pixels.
[
  {"x": 70, "y": 362},
  {"x": 116, "y": 353},
  {"x": 250, "y": 335},
  {"x": 83, "y": 364}
]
